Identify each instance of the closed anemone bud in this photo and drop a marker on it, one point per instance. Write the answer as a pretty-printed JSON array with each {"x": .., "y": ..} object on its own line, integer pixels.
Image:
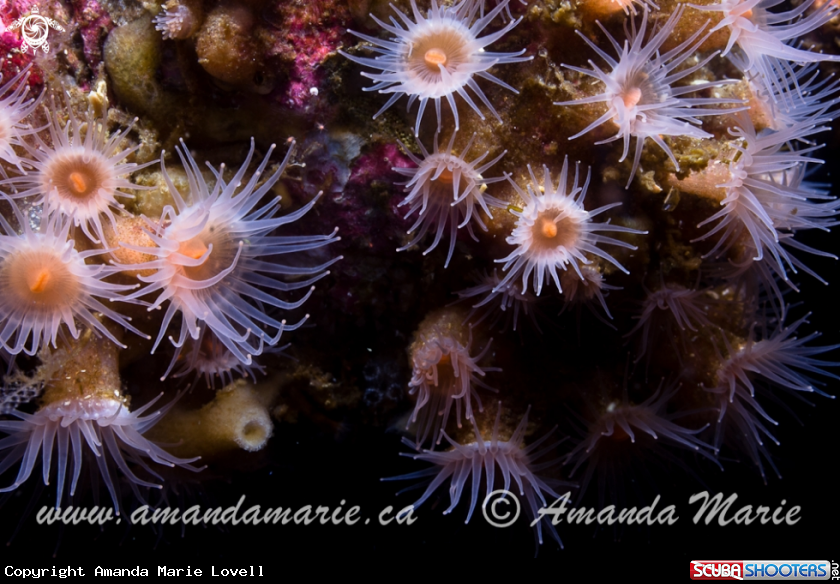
[
  {"x": 227, "y": 44},
  {"x": 132, "y": 230},
  {"x": 445, "y": 373},
  {"x": 236, "y": 419}
]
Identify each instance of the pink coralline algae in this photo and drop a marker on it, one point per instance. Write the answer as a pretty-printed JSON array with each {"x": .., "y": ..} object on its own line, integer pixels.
[
  {"x": 94, "y": 24},
  {"x": 310, "y": 32},
  {"x": 12, "y": 60},
  {"x": 365, "y": 223},
  {"x": 13, "y": 9}
]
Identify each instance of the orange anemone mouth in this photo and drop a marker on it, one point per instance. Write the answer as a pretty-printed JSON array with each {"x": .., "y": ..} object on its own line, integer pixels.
[
  {"x": 435, "y": 58},
  {"x": 39, "y": 278},
  {"x": 632, "y": 97},
  {"x": 78, "y": 176},
  {"x": 220, "y": 257},
  {"x": 638, "y": 89},
  {"x": 193, "y": 248},
  {"x": 553, "y": 229},
  {"x": 447, "y": 48},
  {"x": 446, "y": 177}
]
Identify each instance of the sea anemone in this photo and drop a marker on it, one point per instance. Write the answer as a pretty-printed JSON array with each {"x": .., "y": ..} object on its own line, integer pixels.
[
  {"x": 179, "y": 19},
  {"x": 112, "y": 432},
  {"x": 764, "y": 36},
  {"x": 210, "y": 359},
  {"x": 79, "y": 173},
  {"x": 778, "y": 359},
  {"x": 444, "y": 190},
  {"x": 743, "y": 424},
  {"x": 766, "y": 195},
  {"x": 213, "y": 254},
  {"x": 511, "y": 459},
  {"x": 15, "y": 107},
  {"x": 618, "y": 432},
  {"x": 747, "y": 276},
  {"x": 629, "y": 6},
  {"x": 507, "y": 300},
  {"x": 619, "y": 418},
  {"x": 670, "y": 304},
  {"x": 45, "y": 282},
  {"x": 554, "y": 231},
  {"x": 806, "y": 205},
  {"x": 781, "y": 360},
  {"x": 639, "y": 93},
  {"x": 81, "y": 404},
  {"x": 791, "y": 96},
  {"x": 582, "y": 291},
  {"x": 444, "y": 373},
  {"x": 437, "y": 56}
]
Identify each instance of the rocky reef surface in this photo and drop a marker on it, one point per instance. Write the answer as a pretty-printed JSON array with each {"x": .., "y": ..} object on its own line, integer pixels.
[{"x": 607, "y": 281}]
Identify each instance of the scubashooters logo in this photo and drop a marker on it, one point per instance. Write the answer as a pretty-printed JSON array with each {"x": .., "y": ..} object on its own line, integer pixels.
[{"x": 760, "y": 570}]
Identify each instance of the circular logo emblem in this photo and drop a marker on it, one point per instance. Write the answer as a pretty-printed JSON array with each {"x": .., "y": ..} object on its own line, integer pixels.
[{"x": 34, "y": 29}]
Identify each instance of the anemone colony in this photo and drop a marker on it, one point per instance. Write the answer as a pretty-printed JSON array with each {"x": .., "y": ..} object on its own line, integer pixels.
[
  {"x": 686, "y": 254},
  {"x": 208, "y": 253}
]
